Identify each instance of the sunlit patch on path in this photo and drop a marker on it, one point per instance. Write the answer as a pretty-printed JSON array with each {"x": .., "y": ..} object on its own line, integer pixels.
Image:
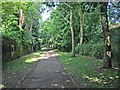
[
  {"x": 48, "y": 54},
  {"x": 45, "y": 55}
]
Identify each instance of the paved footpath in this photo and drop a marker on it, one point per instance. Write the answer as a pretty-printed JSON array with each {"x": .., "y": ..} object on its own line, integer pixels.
[{"x": 48, "y": 73}]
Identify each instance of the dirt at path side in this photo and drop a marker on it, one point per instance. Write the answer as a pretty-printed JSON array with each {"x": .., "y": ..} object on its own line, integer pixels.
[{"x": 48, "y": 73}]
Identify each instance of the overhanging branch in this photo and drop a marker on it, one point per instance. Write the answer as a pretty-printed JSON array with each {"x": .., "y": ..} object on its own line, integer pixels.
[
  {"x": 65, "y": 18},
  {"x": 67, "y": 5},
  {"x": 65, "y": 10}
]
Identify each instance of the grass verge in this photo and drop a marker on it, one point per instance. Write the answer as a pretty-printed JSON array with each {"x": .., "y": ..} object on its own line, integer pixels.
[
  {"x": 15, "y": 70},
  {"x": 87, "y": 73}
]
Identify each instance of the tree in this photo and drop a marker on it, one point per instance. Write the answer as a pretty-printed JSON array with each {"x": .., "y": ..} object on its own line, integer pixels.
[
  {"x": 106, "y": 37},
  {"x": 72, "y": 34},
  {"x": 71, "y": 28},
  {"x": 81, "y": 20}
]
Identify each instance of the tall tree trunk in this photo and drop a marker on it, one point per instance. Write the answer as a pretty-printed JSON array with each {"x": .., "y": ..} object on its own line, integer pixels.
[
  {"x": 81, "y": 25},
  {"x": 106, "y": 37},
  {"x": 72, "y": 34},
  {"x": 21, "y": 18}
]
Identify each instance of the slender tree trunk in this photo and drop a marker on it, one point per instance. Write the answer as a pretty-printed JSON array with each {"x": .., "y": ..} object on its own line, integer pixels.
[
  {"x": 81, "y": 25},
  {"x": 106, "y": 37},
  {"x": 31, "y": 27},
  {"x": 72, "y": 34},
  {"x": 21, "y": 18}
]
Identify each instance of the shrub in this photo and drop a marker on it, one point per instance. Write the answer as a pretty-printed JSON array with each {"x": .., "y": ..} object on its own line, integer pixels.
[{"x": 92, "y": 50}]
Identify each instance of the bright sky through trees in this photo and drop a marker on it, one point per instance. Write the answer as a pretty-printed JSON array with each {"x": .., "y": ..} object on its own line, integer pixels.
[{"x": 46, "y": 13}]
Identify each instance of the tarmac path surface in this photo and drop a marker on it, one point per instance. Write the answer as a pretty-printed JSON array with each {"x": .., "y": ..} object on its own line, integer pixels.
[{"x": 48, "y": 73}]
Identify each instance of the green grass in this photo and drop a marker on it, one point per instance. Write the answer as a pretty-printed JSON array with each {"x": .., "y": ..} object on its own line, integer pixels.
[
  {"x": 22, "y": 62},
  {"x": 87, "y": 73},
  {"x": 15, "y": 70}
]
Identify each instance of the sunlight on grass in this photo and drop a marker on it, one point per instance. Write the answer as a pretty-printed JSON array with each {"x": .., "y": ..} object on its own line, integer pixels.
[
  {"x": 23, "y": 62},
  {"x": 92, "y": 79},
  {"x": 37, "y": 53},
  {"x": 44, "y": 48}
]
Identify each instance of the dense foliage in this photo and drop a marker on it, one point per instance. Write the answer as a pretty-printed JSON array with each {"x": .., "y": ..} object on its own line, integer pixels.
[{"x": 25, "y": 38}]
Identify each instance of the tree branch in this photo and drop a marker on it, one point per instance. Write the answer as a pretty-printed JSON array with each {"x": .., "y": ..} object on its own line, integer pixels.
[
  {"x": 65, "y": 18},
  {"x": 67, "y": 5},
  {"x": 65, "y": 10}
]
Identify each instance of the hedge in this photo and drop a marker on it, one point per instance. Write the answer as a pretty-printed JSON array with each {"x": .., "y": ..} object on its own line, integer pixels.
[{"x": 92, "y": 50}]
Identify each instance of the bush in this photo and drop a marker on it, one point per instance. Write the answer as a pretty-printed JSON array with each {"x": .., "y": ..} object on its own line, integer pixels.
[{"x": 92, "y": 50}]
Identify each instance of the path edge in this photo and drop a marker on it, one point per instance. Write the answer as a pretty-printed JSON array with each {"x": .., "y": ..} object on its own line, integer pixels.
[{"x": 67, "y": 71}]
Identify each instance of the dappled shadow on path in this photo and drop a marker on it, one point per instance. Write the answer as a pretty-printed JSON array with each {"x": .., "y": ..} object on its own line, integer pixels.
[
  {"x": 49, "y": 54},
  {"x": 45, "y": 56}
]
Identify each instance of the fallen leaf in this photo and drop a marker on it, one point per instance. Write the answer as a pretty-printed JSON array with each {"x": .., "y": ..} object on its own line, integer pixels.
[
  {"x": 111, "y": 77},
  {"x": 64, "y": 73},
  {"x": 104, "y": 82},
  {"x": 18, "y": 82},
  {"x": 85, "y": 84},
  {"x": 63, "y": 86},
  {"x": 57, "y": 71},
  {"x": 116, "y": 68},
  {"x": 65, "y": 68},
  {"x": 68, "y": 81},
  {"x": 52, "y": 84},
  {"x": 55, "y": 85},
  {"x": 101, "y": 73},
  {"x": 8, "y": 77},
  {"x": 25, "y": 67},
  {"x": 116, "y": 76}
]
